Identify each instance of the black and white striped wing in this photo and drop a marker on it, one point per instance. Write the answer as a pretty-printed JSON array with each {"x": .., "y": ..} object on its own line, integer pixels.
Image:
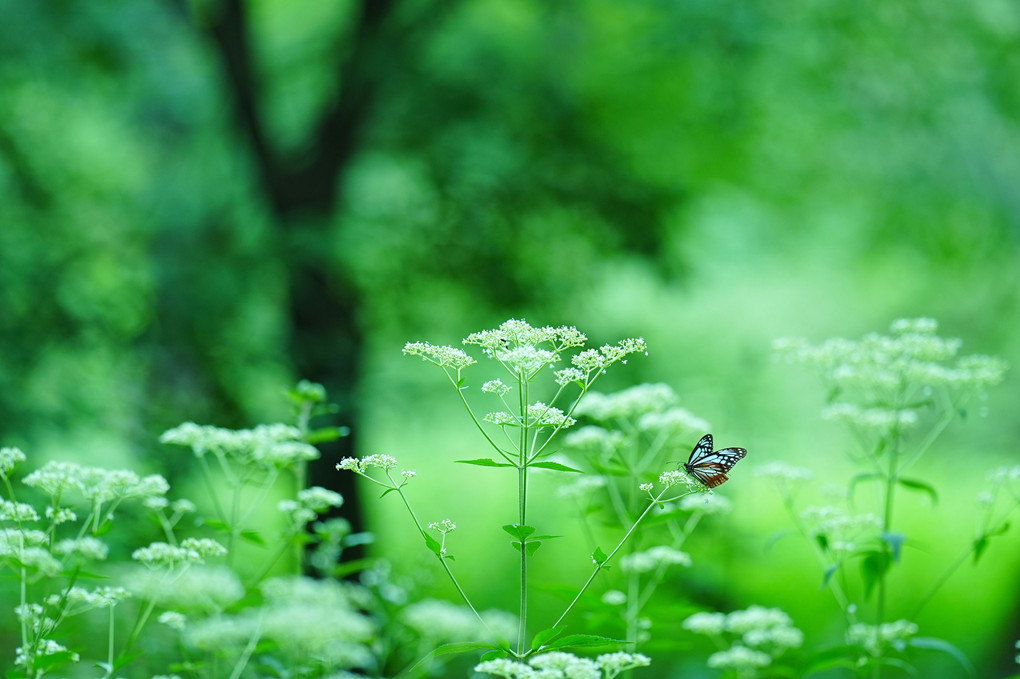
[{"x": 710, "y": 466}]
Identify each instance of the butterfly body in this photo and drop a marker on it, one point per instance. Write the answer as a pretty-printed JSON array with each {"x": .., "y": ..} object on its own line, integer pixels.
[{"x": 709, "y": 466}]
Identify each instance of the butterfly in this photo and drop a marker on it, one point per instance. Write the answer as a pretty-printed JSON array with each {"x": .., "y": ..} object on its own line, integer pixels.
[{"x": 710, "y": 467}]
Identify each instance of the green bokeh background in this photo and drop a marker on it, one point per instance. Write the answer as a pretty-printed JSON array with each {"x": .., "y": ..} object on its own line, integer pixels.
[{"x": 709, "y": 175}]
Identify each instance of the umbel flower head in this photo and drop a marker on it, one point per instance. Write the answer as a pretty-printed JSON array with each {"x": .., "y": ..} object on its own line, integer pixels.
[{"x": 883, "y": 381}]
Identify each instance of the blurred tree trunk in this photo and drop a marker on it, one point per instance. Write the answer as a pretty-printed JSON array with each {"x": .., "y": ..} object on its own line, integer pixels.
[{"x": 326, "y": 339}]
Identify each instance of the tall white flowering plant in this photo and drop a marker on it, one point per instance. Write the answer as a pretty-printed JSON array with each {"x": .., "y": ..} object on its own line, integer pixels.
[
  {"x": 628, "y": 436},
  {"x": 82, "y": 577},
  {"x": 546, "y": 373},
  {"x": 896, "y": 393}
]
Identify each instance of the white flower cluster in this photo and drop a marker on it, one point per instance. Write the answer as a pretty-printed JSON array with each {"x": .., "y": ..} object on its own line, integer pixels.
[
  {"x": 514, "y": 333},
  {"x": 443, "y": 356},
  {"x": 206, "y": 589},
  {"x": 678, "y": 422},
  {"x": 654, "y": 558},
  {"x": 878, "y": 419},
  {"x": 88, "y": 548},
  {"x": 758, "y": 636},
  {"x": 839, "y": 528},
  {"x": 9, "y": 459},
  {"x": 525, "y": 360},
  {"x": 878, "y": 366},
  {"x": 18, "y": 512},
  {"x": 676, "y": 477},
  {"x": 706, "y": 503},
  {"x": 362, "y": 465},
  {"x": 631, "y": 403},
  {"x": 190, "y": 551},
  {"x": 94, "y": 483},
  {"x": 314, "y": 623},
  {"x": 26, "y": 657},
  {"x": 444, "y": 526},
  {"x": 79, "y": 599},
  {"x": 272, "y": 445},
  {"x": 495, "y": 387},
  {"x": 309, "y": 504},
  {"x": 782, "y": 472},
  {"x": 560, "y": 665},
  {"x": 594, "y": 439},
  {"x": 877, "y": 639},
  {"x": 582, "y": 488},
  {"x": 440, "y": 622},
  {"x": 541, "y": 415}
]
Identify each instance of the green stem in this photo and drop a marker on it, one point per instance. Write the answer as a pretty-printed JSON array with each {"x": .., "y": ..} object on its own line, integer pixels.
[
  {"x": 242, "y": 662},
  {"x": 446, "y": 566},
  {"x": 522, "y": 514},
  {"x": 109, "y": 648},
  {"x": 598, "y": 566}
]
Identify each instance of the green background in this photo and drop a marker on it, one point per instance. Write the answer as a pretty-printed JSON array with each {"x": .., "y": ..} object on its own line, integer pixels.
[{"x": 187, "y": 226}]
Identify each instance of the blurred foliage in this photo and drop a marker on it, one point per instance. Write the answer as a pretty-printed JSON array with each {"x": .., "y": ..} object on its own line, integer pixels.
[{"x": 709, "y": 175}]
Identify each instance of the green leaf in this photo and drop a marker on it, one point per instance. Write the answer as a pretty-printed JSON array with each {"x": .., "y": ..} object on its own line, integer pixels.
[
  {"x": 545, "y": 537},
  {"x": 433, "y": 544},
  {"x": 518, "y": 531},
  {"x": 823, "y": 541},
  {"x": 216, "y": 524},
  {"x": 326, "y": 434},
  {"x": 51, "y": 660},
  {"x": 555, "y": 465},
  {"x": 582, "y": 641},
  {"x": 516, "y": 545},
  {"x": 386, "y": 492},
  {"x": 494, "y": 655},
  {"x": 829, "y": 572},
  {"x": 253, "y": 537},
  {"x": 914, "y": 484},
  {"x": 532, "y": 546},
  {"x": 599, "y": 556},
  {"x": 545, "y": 636},
  {"x": 458, "y": 648},
  {"x": 895, "y": 542},
  {"x": 873, "y": 568},
  {"x": 831, "y": 658},
  {"x": 936, "y": 644},
  {"x": 486, "y": 462},
  {"x": 980, "y": 545},
  {"x": 869, "y": 476}
]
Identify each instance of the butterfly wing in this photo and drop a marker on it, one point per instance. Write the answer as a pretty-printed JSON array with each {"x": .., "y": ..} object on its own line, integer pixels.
[{"x": 710, "y": 467}]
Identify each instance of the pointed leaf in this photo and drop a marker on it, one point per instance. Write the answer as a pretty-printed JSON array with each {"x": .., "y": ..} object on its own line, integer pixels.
[
  {"x": 433, "y": 544},
  {"x": 582, "y": 641},
  {"x": 829, "y": 572},
  {"x": 555, "y": 465},
  {"x": 493, "y": 655},
  {"x": 386, "y": 492},
  {"x": 598, "y": 556},
  {"x": 452, "y": 649},
  {"x": 870, "y": 476},
  {"x": 532, "y": 546},
  {"x": 486, "y": 462},
  {"x": 516, "y": 545},
  {"x": 252, "y": 536},
  {"x": 914, "y": 484},
  {"x": 823, "y": 541},
  {"x": 545, "y": 537},
  {"x": 518, "y": 531},
  {"x": 326, "y": 434},
  {"x": 980, "y": 545},
  {"x": 873, "y": 568},
  {"x": 546, "y": 636},
  {"x": 936, "y": 644},
  {"x": 895, "y": 542}
]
